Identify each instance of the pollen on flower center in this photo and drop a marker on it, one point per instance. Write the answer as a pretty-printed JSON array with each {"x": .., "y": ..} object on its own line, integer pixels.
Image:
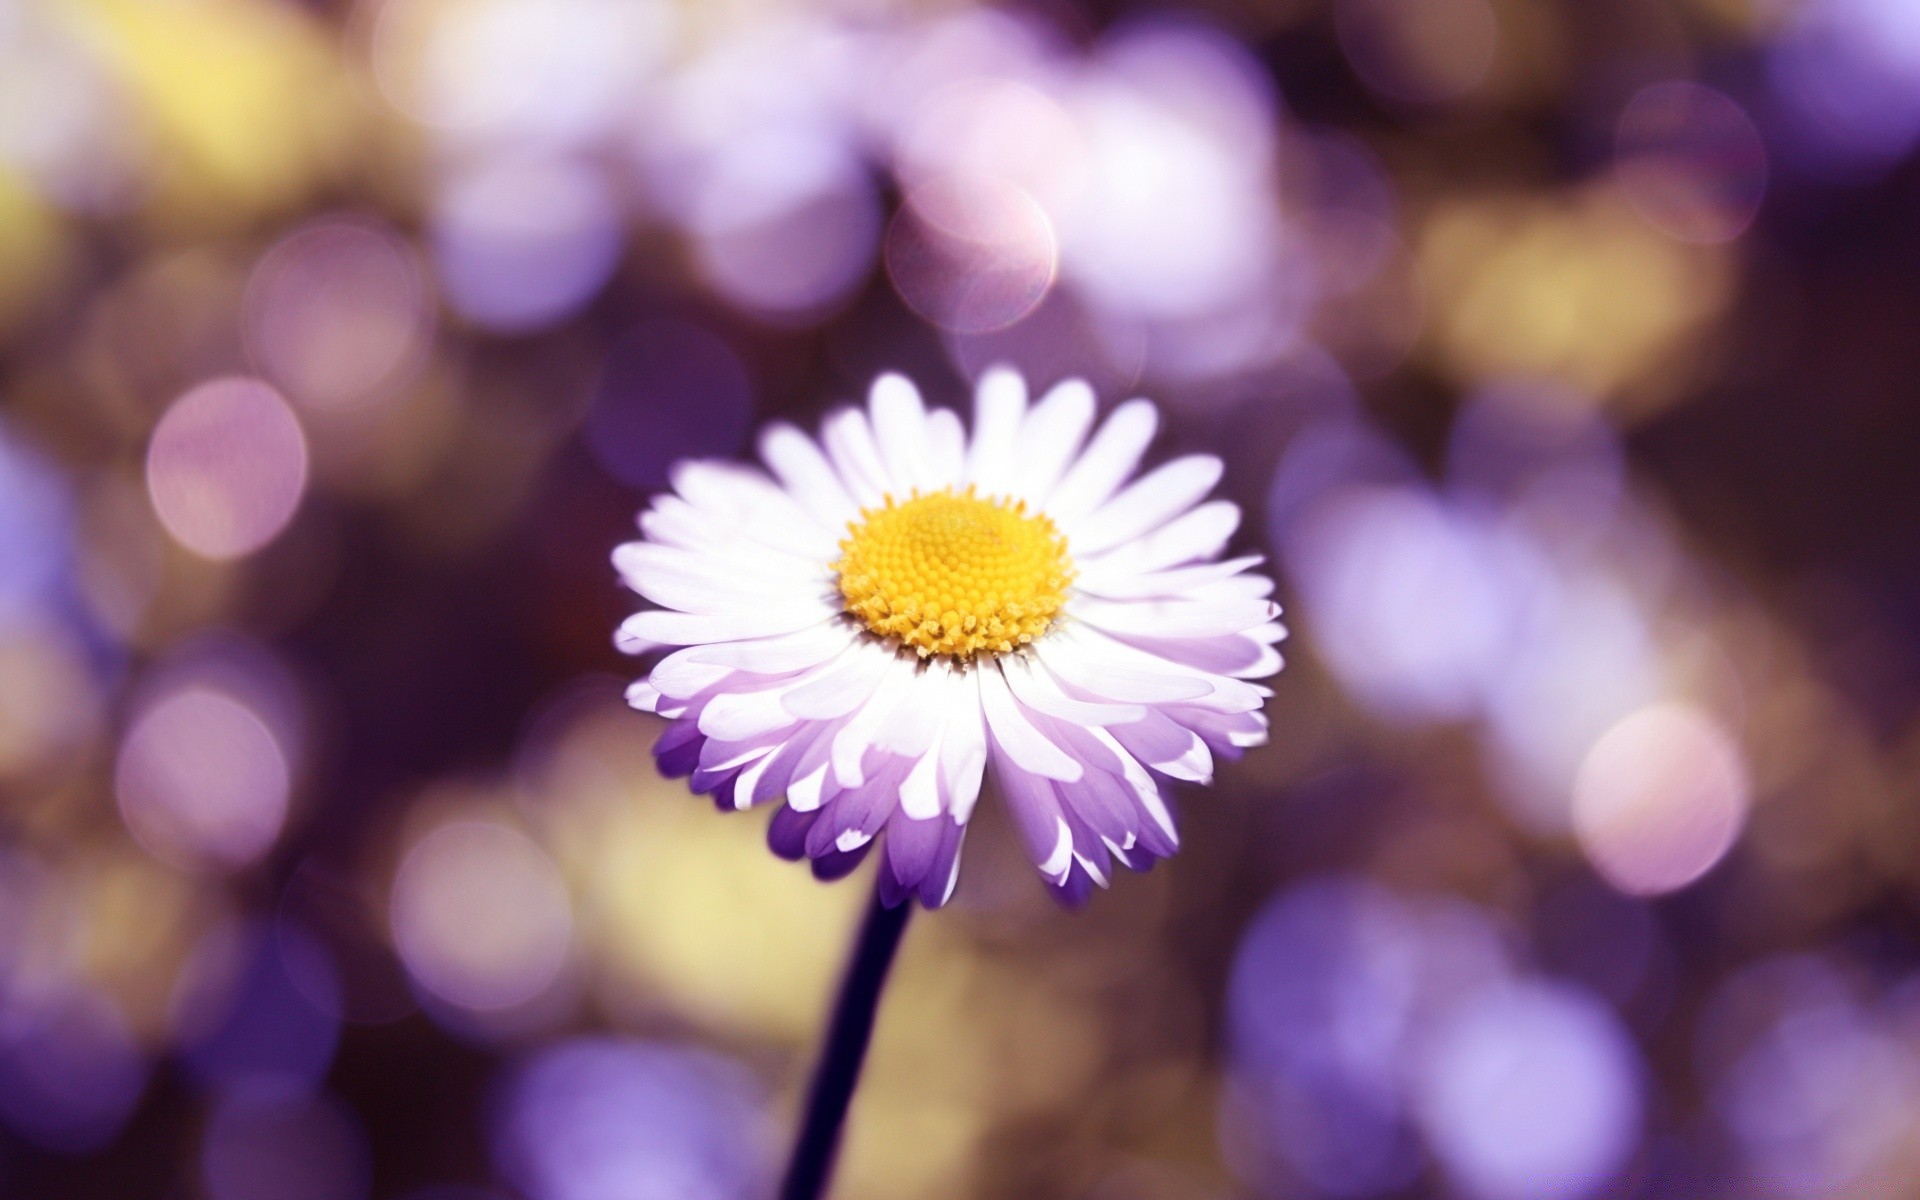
[{"x": 954, "y": 574}]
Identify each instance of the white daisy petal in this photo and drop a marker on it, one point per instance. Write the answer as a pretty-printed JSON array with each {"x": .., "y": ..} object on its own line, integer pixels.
[
  {"x": 776, "y": 655},
  {"x": 814, "y": 484},
  {"x": 1237, "y": 587},
  {"x": 686, "y": 629},
  {"x": 641, "y": 562},
  {"x": 1238, "y": 656},
  {"x": 920, "y": 790},
  {"x": 999, "y": 406},
  {"x": 747, "y": 494},
  {"x": 1054, "y": 866},
  {"x": 850, "y": 446},
  {"x": 1198, "y": 534},
  {"x": 1016, "y": 736},
  {"x": 812, "y": 778},
  {"x": 900, "y": 430},
  {"x": 672, "y": 585},
  {"x": 963, "y": 746},
  {"x": 746, "y": 786},
  {"x": 910, "y": 729},
  {"x": 681, "y": 676},
  {"x": 841, "y": 686},
  {"x": 1112, "y": 455},
  {"x": 1175, "y": 618},
  {"x": 745, "y": 714},
  {"x": 730, "y": 538},
  {"x": 851, "y": 744},
  {"x": 1223, "y": 694},
  {"x": 946, "y": 448},
  {"x": 629, "y": 641},
  {"x": 1069, "y": 657},
  {"x": 1037, "y": 689},
  {"x": 1174, "y": 581},
  {"x": 1146, "y": 504},
  {"x": 1050, "y": 437}
]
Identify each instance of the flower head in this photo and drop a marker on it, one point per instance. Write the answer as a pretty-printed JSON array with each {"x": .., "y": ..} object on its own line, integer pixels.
[{"x": 882, "y": 619}]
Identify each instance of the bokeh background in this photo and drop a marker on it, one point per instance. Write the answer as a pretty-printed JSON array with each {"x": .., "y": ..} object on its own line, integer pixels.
[{"x": 1564, "y": 357}]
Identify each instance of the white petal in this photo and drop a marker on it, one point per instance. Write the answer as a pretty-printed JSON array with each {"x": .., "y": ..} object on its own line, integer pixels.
[
  {"x": 732, "y": 538},
  {"x": 851, "y": 839},
  {"x": 842, "y": 685},
  {"x": 686, "y": 629},
  {"x": 1056, "y": 864},
  {"x": 920, "y": 791},
  {"x": 1146, "y": 504},
  {"x": 855, "y": 738},
  {"x": 910, "y": 729},
  {"x": 748, "y": 497},
  {"x": 781, "y": 653},
  {"x": 1197, "y": 535},
  {"x": 1222, "y": 694},
  {"x": 999, "y": 404},
  {"x": 736, "y": 715},
  {"x": 638, "y": 562},
  {"x": 1174, "y": 618},
  {"x": 807, "y": 791},
  {"x": 1112, "y": 455},
  {"x": 1036, "y": 688},
  {"x": 963, "y": 746},
  {"x": 747, "y": 785},
  {"x": 1236, "y": 587},
  {"x": 676, "y": 579},
  {"x": 811, "y": 479},
  {"x": 680, "y": 676},
  {"x": 643, "y": 695},
  {"x": 1016, "y": 736},
  {"x": 628, "y": 641},
  {"x": 1238, "y": 656},
  {"x": 1172, "y": 582},
  {"x": 850, "y": 445},
  {"x": 946, "y": 447},
  {"x": 900, "y": 430},
  {"x": 1081, "y": 666},
  {"x": 1050, "y": 437}
]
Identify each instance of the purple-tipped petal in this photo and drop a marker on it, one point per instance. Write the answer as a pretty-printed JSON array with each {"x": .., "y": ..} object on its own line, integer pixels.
[
  {"x": 839, "y": 864},
  {"x": 912, "y": 847},
  {"x": 936, "y": 888},
  {"x": 1072, "y": 894},
  {"x": 677, "y": 761},
  {"x": 787, "y": 832}
]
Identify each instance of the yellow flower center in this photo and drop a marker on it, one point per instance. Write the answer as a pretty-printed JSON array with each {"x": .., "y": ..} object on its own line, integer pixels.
[{"x": 954, "y": 574}]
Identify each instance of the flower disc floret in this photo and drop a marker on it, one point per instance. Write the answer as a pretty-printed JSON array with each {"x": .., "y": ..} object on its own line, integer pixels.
[{"x": 954, "y": 574}]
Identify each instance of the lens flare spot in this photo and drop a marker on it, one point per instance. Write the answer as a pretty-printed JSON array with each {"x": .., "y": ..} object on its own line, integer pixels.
[
  {"x": 202, "y": 780},
  {"x": 480, "y": 916},
  {"x": 226, "y": 467},
  {"x": 1660, "y": 798}
]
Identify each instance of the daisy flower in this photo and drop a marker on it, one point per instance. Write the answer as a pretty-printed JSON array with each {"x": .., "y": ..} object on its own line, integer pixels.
[{"x": 881, "y": 619}]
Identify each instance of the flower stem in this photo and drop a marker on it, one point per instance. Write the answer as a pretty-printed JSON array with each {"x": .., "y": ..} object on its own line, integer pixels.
[{"x": 846, "y": 1049}]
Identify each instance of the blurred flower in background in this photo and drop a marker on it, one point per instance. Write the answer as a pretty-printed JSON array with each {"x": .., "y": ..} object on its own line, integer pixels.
[{"x": 1560, "y": 354}]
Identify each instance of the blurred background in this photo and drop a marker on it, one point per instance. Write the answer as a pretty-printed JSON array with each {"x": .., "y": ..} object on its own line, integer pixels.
[{"x": 1564, "y": 358}]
